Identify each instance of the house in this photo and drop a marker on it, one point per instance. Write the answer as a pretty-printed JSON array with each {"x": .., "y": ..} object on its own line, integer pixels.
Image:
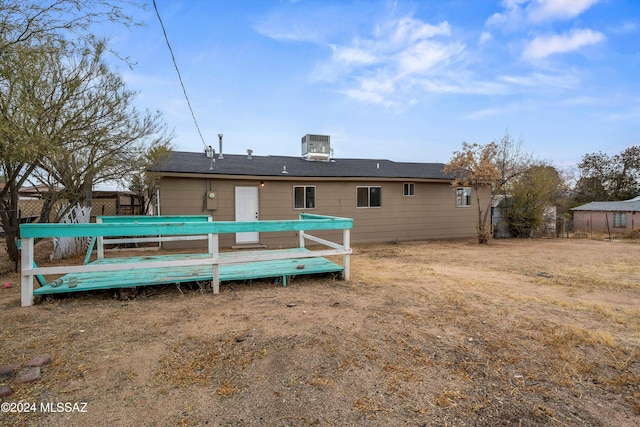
[
  {"x": 607, "y": 217},
  {"x": 389, "y": 201}
]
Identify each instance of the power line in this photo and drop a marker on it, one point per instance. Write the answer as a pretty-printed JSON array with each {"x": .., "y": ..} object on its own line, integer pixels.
[{"x": 175, "y": 64}]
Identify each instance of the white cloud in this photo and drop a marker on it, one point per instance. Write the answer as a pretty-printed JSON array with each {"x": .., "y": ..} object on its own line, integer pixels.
[
  {"x": 283, "y": 28},
  {"x": 547, "y": 10},
  {"x": 487, "y": 112},
  {"x": 624, "y": 28},
  {"x": 405, "y": 59},
  {"x": 427, "y": 55},
  {"x": 353, "y": 55},
  {"x": 390, "y": 64},
  {"x": 485, "y": 37},
  {"x": 375, "y": 89},
  {"x": 409, "y": 30},
  {"x": 537, "y": 80},
  {"x": 517, "y": 13},
  {"x": 468, "y": 86},
  {"x": 544, "y": 46}
]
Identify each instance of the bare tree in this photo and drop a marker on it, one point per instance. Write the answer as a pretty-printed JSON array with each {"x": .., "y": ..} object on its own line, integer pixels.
[
  {"x": 29, "y": 22},
  {"x": 475, "y": 166},
  {"x": 42, "y": 125},
  {"x": 106, "y": 137},
  {"x": 512, "y": 160}
]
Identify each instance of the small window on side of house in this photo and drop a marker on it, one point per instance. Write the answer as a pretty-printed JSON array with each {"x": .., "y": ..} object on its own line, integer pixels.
[
  {"x": 463, "y": 197},
  {"x": 304, "y": 197},
  {"x": 409, "y": 189}
]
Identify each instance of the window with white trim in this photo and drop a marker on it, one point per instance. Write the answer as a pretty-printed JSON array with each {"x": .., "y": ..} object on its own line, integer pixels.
[
  {"x": 368, "y": 197},
  {"x": 304, "y": 197},
  {"x": 409, "y": 189},
  {"x": 463, "y": 197}
]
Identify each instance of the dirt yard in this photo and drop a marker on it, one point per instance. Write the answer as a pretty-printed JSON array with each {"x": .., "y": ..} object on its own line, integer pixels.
[{"x": 517, "y": 333}]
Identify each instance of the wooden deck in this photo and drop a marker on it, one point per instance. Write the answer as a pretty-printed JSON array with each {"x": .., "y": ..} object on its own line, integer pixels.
[
  {"x": 214, "y": 267},
  {"x": 140, "y": 276}
]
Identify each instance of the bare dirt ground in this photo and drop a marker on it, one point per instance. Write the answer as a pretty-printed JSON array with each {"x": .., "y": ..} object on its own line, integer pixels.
[{"x": 517, "y": 333}]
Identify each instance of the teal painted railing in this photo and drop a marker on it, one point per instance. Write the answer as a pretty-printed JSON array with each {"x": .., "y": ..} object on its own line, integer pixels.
[{"x": 170, "y": 226}]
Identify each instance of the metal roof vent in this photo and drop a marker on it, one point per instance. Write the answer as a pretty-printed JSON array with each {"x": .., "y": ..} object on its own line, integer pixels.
[{"x": 316, "y": 147}]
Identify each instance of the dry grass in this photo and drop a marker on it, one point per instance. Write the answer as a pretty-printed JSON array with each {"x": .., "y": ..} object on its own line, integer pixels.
[{"x": 528, "y": 333}]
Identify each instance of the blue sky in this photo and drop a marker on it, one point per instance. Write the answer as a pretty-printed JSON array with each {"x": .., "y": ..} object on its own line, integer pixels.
[{"x": 398, "y": 80}]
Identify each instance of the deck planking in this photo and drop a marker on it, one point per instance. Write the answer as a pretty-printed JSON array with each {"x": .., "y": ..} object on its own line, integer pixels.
[{"x": 141, "y": 276}]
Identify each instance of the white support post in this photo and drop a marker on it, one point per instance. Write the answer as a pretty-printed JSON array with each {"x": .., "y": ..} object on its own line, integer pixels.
[
  {"x": 215, "y": 283},
  {"x": 300, "y": 235},
  {"x": 27, "y": 261},
  {"x": 346, "y": 260},
  {"x": 210, "y": 239},
  {"x": 214, "y": 252},
  {"x": 100, "y": 242}
]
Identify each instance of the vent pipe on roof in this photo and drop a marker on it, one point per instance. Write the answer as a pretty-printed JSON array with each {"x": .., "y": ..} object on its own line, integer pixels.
[
  {"x": 220, "y": 156},
  {"x": 249, "y": 153}
]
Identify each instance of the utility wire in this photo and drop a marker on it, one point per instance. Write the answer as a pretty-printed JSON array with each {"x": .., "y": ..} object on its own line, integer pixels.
[{"x": 175, "y": 64}]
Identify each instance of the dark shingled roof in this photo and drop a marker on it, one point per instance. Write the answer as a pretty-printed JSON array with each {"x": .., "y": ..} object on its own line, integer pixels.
[{"x": 234, "y": 164}]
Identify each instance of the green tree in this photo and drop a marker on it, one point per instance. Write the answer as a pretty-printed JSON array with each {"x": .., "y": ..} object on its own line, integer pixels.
[
  {"x": 143, "y": 181},
  {"x": 24, "y": 130},
  {"x": 36, "y": 125},
  {"x": 609, "y": 178},
  {"x": 475, "y": 166},
  {"x": 537, "y": 189}
]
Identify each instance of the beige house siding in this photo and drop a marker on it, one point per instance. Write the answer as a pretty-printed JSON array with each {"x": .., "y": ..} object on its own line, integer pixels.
[
  {"x": 430, "y": 214},
  {"x": 602, "y": 222}
]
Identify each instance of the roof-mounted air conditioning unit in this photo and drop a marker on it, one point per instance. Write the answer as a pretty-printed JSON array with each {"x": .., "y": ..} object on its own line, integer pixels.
[{"x": 316, "y": 147}]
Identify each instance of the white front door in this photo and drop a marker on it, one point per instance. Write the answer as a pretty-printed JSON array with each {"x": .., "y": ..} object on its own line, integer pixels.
[{"x": 247, "y": 210}]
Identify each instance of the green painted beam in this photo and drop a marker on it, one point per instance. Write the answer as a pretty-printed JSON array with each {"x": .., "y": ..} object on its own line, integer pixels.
[
  {"x": 151, "y": 219},
  {"x": 36, "y": 230}
]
